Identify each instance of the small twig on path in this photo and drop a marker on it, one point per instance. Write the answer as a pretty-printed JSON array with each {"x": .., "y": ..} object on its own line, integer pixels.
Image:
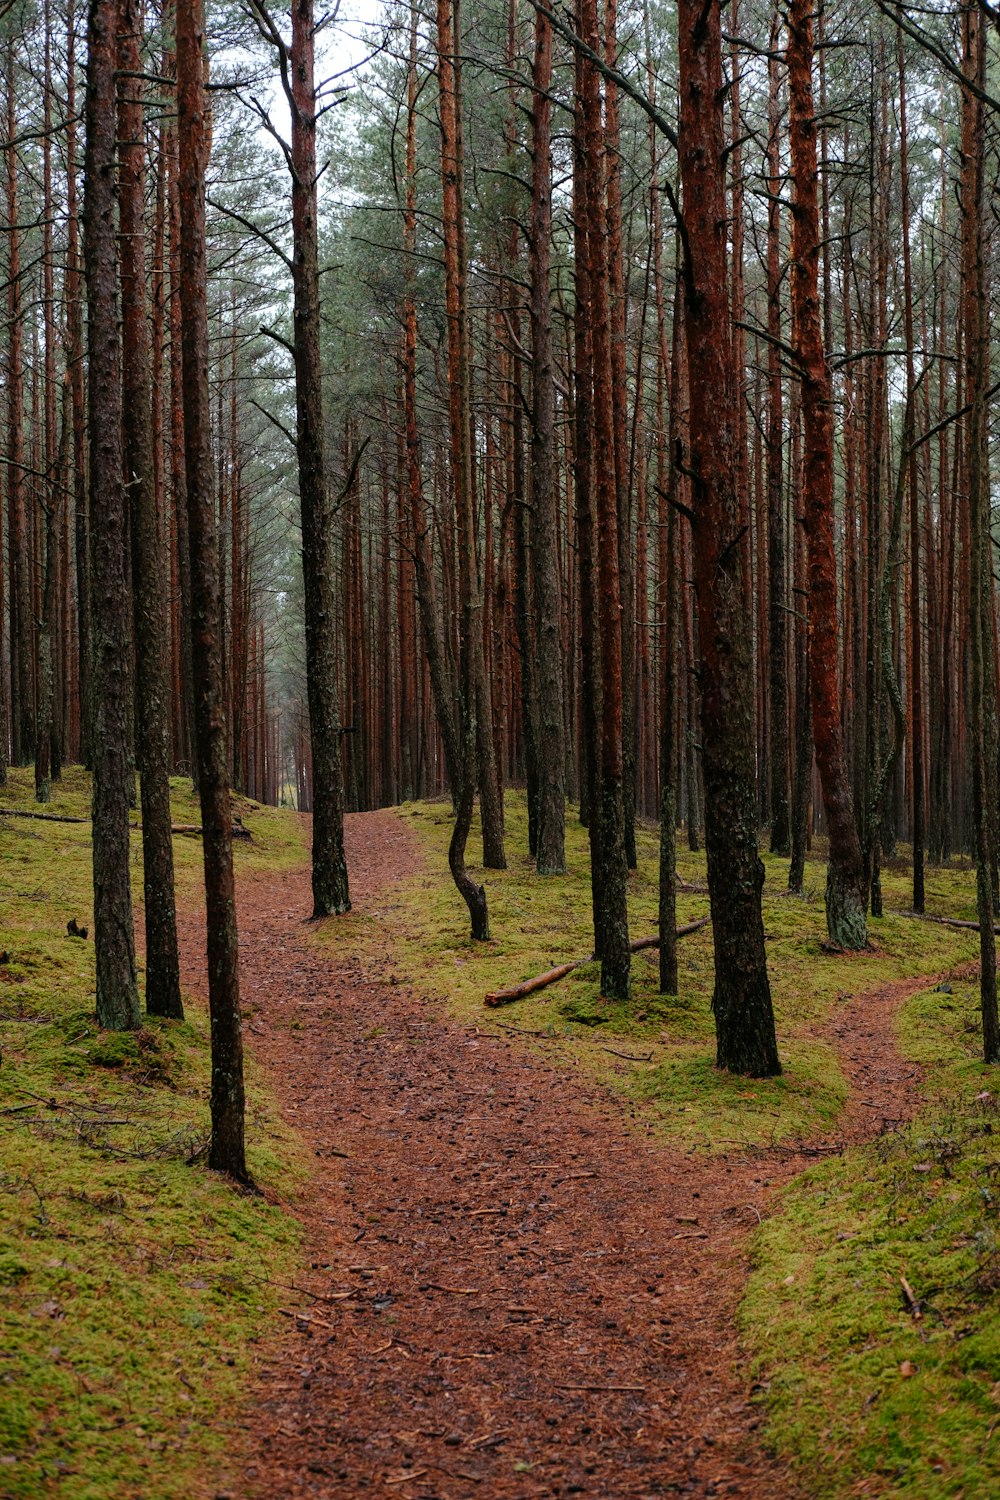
[
  {"x": 911, "y": 1299},
  {"x": 599, "y": 1388},
  {"x": 628, "y": 1056}
]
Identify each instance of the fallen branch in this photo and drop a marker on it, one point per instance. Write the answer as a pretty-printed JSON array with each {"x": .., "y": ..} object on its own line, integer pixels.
[
  {"x": 913, "y": 1306},
  {"x": 542, "y": 981},
  {"x": 924, "y": 916},
  {"x": 18, "y": 812},
  {"x": 191, "y": 829}
]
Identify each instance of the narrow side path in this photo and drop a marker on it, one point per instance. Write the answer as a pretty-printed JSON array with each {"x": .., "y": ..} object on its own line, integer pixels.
[{"x": 512, "y": 1295}]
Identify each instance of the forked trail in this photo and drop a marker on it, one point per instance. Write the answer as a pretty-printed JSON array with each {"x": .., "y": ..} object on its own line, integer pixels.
[{"x": 514, "y": 1294}]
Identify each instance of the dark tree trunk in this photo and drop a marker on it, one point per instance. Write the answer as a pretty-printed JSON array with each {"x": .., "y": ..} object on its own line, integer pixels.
[
  {"x": 975, "y": 312},
  {"x": 114, "y": 939},
  {"x": 476, "y": 738},
  {"x": 152, "y": 700},
  {"x": 227, "y": 1148},
  {"x": 744, "y": 1018},
  {"x": 75, "y": 370},
  {"x": 329, "y": 865},
  {"x": 583, "y": 480},
  {"x": 615, "y": 951},
  {"x": 551, "y": 854},
  {"x": 776, "y": 562},
  {"x": 21, "y": 634}
]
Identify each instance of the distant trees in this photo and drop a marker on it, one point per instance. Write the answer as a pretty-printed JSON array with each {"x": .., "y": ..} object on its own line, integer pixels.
[{"x": 719, "y": 557}]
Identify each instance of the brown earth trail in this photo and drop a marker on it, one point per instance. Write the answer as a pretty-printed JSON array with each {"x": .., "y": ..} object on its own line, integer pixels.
[{"x": 511, "y": 1293}]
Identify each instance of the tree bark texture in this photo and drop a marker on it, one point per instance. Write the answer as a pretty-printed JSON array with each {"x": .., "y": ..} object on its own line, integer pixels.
[
  {"x": 114, "y": 938},
  {"x": 744, "y": 1018},
  {"x": 152, "y": 683},
  {"x": 227, "y": 1103},
  {"x": 846, "y": 893},
  {"x": 551, "y": 856}
]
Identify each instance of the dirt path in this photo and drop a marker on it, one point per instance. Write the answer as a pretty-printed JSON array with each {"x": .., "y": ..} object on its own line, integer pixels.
[{"x": 514, "y": 1296}]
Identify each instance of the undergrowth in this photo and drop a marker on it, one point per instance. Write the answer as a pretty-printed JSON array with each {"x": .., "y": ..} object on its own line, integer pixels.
[
  {"x": 658, "y": 1049},
  {"x": 134, "y": 1284},
  {"x": 873, "y": 1386}
]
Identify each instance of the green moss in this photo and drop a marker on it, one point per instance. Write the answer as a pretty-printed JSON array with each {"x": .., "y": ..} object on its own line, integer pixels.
[
  {"x": 668, "y": 1041},
  {"x": 136, "y": 1284},
  {"x": 853, "y": 1383}
]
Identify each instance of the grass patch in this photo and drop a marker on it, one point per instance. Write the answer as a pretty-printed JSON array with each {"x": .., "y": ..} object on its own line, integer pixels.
[
  {"x": 668, "y": 1040},
  {"x": 135, "y": 1284},
  {"x": 854, "y": 1384}
]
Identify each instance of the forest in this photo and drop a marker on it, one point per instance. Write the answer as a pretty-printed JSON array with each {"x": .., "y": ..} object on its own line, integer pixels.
[{"x": 499, "y": 749}]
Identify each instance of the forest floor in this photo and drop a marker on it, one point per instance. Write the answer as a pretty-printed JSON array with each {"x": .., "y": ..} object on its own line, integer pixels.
[
  {"x": 541, "y": 1251},
  {"x": 512, "y": 1290}
]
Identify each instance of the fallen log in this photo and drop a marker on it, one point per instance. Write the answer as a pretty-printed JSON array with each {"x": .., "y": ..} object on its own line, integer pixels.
[
  {"x": 924, "y": 916},
  {"x": 18, "y": 812},
  {"x": 193, "y": 830},
  {"x": 542, "y": 981},
  {"x": 190, "y": 829}
]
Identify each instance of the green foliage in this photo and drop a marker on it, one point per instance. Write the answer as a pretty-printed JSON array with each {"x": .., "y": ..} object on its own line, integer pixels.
[{"x": 135, "y": 1283}]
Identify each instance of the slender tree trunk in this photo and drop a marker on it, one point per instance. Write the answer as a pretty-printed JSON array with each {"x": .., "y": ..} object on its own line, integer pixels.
[
  {"x": 776, "y": 562},
  {"x": 163, "y": 984},
  {"x": 615, "y": 951},
  {"x": 583, "y": 482},
  {"x": 329, "y": 865},
  {"x": 846, "y": 893},
  {"x": 916, "y": 633},
  {"x": 744, "y": 1018},
  {"x": 75, "y": 363},
  {"x": 114, "y": 940},
  {"x": 193, "y": 129},
  {"x": 21, "y": 634},
  {"x": 551, "y": 858},
  {"x": 473, "y": 752},
  {"x": 975, "y": 310}
]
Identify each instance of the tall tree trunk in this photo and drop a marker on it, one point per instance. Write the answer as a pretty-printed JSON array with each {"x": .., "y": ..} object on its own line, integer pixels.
[
  {"x": 776, "y": 562},
  {"x": 975, "y": 313},
  {"x": 75, "y": 362},
  {"x": 615, "y": 951},
  {"x": 916, "y": 614},
  {"x": 473, "y": 751},
  {"x": 193, "y": 129},
  {"x": 21, "y": 636},
  {"x": 846, "y": 893},
  {"x": 744, "y": 1019},
  {"x": 163, "y": 983},
  {"x": 329, "y": 864},
  {"x": 114, "y": 939},
  {"x": 551, "y": 858}
]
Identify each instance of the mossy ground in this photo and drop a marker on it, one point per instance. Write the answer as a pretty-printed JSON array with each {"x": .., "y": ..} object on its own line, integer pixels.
[
  {"x": 134, "y": 1283},
  {"x": 860, "y": 1397},
  {"x": 855, "y": 1385},
  {"x": 539, "y": 921}
]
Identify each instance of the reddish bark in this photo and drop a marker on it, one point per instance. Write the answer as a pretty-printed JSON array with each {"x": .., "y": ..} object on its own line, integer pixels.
[{"x": 846, "y": 894}]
